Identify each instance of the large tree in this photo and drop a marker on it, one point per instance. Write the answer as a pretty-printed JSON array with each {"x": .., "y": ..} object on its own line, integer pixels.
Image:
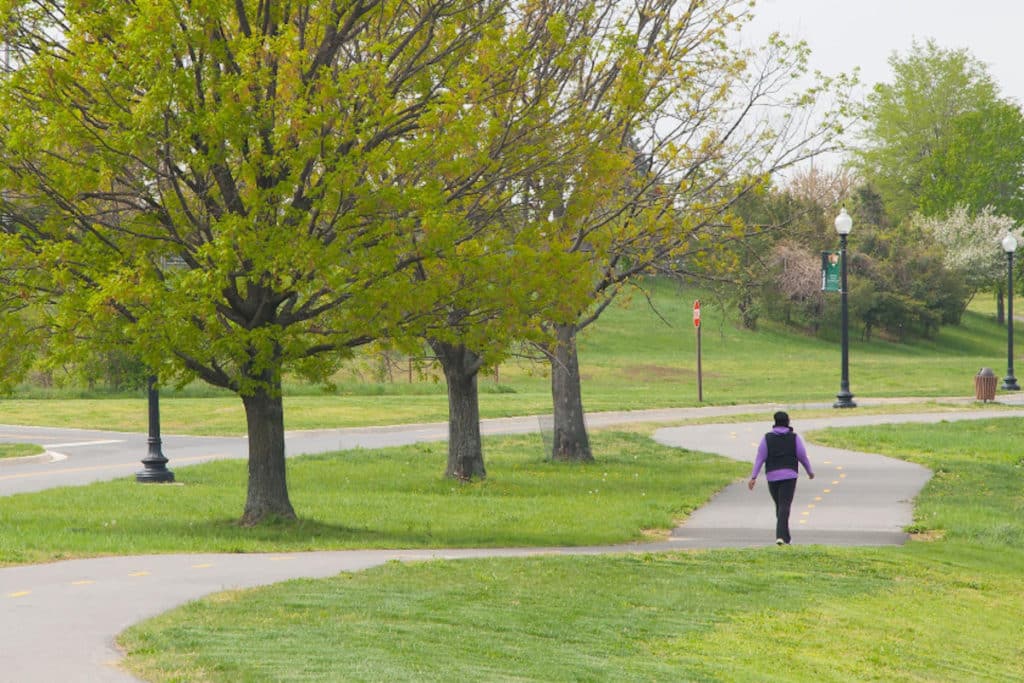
[
  {"x": 705, "y": 125},
  {"x": 939, "y": 135},
  {"x": 227, "y": 180},
  {"x": 579, "y": 81}
]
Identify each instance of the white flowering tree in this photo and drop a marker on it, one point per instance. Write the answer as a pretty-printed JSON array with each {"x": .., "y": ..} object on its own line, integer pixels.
[{"x": 973, "y": 246}]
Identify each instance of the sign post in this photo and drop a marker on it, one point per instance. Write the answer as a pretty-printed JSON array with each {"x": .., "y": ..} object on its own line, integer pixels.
[{"x": 696, "y": 324}]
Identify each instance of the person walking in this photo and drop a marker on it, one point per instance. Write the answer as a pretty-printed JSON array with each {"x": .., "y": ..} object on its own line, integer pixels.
[{"x": 780, "y": 452}]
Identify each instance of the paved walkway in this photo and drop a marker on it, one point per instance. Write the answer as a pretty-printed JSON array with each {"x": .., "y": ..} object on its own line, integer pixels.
[{"x": 60, "y": 620}]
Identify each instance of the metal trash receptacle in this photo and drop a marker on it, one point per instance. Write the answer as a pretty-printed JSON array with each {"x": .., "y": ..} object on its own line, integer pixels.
[{"x": 985, "y": 385}]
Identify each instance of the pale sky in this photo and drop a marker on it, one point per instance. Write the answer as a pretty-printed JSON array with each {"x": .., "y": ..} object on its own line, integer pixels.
[{"x": 843, "y": 34}]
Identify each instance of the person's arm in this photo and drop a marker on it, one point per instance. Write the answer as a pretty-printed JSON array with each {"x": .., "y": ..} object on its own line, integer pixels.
[
  {"x": 762, "y": 455},
  {"x": 801, "y": 455}
]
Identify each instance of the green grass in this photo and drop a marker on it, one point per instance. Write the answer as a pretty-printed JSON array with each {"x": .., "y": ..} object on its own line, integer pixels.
[
  {"x": 19, "y": 450},
  {"x": 943, "y": 609},
  {"x": 722, "y": 616},
  {"x": 630, "y": 359},
  {"x": 393, "y": 498}
]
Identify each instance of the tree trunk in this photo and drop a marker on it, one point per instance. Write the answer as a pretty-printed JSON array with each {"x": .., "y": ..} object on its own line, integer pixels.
[
  {"x": 570, "y": 441},
  {"x": 465, "y": 450},
  {"x": 267, "y": 496}
]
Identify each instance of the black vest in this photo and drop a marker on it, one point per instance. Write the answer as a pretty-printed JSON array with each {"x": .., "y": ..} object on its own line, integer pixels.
[{"x": 781, "y": 451}]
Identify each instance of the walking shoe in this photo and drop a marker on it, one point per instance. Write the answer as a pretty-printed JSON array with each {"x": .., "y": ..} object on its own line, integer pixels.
[{"x": 779, "y": 541}]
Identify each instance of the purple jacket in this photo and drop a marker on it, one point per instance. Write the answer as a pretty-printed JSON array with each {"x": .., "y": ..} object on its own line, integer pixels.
[{"x": 778, "y": 475}]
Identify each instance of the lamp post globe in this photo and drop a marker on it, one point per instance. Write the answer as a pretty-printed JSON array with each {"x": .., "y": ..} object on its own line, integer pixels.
[
  {"x": 843, "y": 222},
  {"x": 844, "y": 399},
  {"x": 1009, "y": 246}
]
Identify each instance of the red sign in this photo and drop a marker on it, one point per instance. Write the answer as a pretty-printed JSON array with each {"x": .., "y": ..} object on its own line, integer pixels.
[{"x": 696, "y": 313}]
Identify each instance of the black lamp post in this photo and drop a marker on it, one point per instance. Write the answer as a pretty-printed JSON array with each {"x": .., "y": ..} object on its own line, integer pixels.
[
  {"x": 1009, "y": 246},
  {"x": 844, "y": 399},
  {"x": 155, "y": 463}
]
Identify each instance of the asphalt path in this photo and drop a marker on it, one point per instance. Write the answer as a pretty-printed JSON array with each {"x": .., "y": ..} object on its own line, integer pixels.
[{"x": 59, "y": 620}]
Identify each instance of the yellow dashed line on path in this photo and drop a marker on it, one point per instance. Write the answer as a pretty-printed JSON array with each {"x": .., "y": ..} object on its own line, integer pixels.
[
  {"x": 282, "y": 558},
  {"x": 141, "y": 573},
  {"x": 83, "y": 582},
  {"x": 818, "y": 498},
  {"x": 835, "y": 482},
  {"x": 201, "y": 566},
  {"x": 827, "y": 491},
  {"x": 842, "y": 476},
  {"x": 19, "y": 594}
]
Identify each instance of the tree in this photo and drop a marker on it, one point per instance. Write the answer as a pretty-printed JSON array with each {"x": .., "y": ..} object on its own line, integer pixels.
[
  {"x": 706, "y": 126},
  {"x": 902, "y": 279},
  {"x": 511, "y": 265},
  {"x": 980, "y": 164},
  {"x": 898, "y": 281},
  {"x": 939, "y": 135},
  {"x": 597, "y": 71},
  {"x": 973, "y": 247},
  {"x": 768, "y": 272},
  {"x": 227, "y": 180}
]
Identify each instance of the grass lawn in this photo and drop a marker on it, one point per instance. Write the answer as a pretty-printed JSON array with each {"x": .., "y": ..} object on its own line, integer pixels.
[
  {"x": 391, "y": 498},
  {"x": 19, "y": 450},
  {"x": 944, "y": 608}
]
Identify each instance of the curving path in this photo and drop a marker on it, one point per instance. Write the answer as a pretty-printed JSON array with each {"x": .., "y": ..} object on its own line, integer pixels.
[{"x": 58, "y": 621}]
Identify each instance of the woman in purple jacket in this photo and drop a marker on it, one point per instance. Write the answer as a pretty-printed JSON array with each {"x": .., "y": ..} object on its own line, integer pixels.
[{"x": 780, "y": 452}]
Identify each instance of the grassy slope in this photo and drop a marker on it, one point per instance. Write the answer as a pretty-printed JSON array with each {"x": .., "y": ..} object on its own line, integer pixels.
[{"x": 631, "y": 358}]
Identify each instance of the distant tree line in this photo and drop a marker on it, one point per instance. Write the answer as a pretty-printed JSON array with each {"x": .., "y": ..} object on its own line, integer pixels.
[{"x": 934, "y": 181}]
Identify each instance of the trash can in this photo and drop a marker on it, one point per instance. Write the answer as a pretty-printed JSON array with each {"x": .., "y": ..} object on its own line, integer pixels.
[{"x": 985, "y": 385}]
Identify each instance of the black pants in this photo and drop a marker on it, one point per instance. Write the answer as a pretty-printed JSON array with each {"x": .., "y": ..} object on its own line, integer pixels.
[{"x": 782, "y": 493}]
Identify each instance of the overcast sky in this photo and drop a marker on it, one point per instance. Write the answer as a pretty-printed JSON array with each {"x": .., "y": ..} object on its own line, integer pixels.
[{"x": 843, "y": 34}]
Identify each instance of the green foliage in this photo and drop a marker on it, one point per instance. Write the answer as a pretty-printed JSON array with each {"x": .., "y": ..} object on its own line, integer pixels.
[
  {"x": 265, "y": 176},
  {"x": 939, "y": 135},
  {"x": 899, "y": 284},
  {"x": 978, "y": 164},
  {"x": 23, "y": 339},
  {"x": 247, "y": 191},
  {"x": 780, "y": 227}
]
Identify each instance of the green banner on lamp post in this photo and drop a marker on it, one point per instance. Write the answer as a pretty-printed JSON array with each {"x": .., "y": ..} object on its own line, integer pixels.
[{"x": 830, "y": 270}]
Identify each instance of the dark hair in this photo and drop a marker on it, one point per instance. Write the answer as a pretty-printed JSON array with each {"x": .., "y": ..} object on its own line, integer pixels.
[{"x": 781, "y": 419}]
